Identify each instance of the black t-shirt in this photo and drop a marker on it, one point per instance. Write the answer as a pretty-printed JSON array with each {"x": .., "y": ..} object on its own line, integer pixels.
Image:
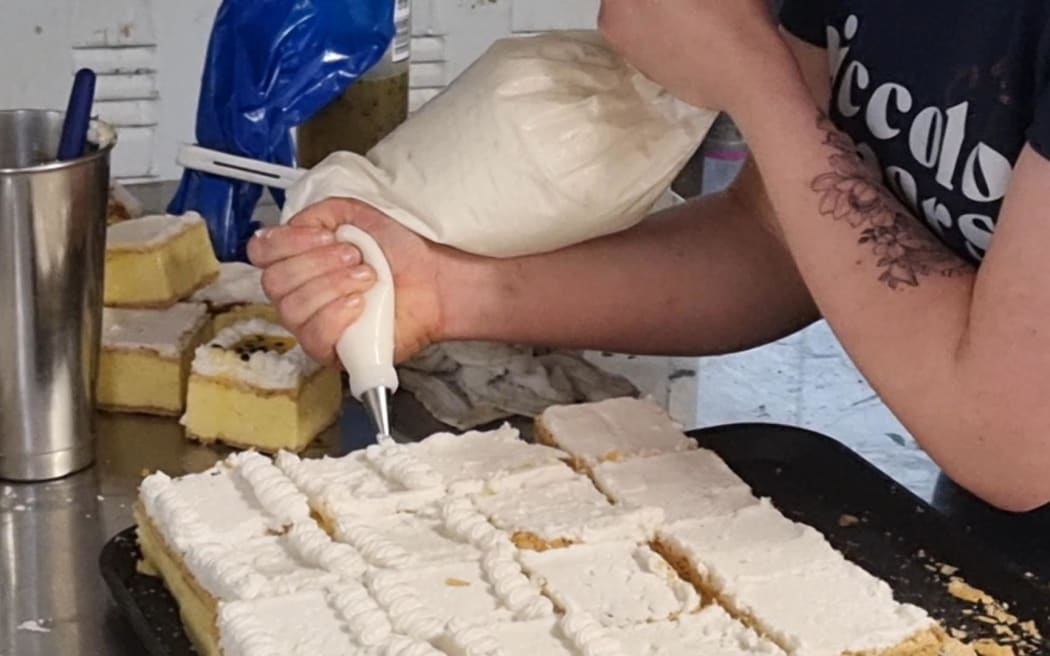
[{"x": 943, "y": 94}]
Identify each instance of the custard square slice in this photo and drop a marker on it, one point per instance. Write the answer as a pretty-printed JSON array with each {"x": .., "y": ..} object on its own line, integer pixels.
[
  {"x": 339, "y": 621},
  {"x": 157, "y": 260},
  {"x": 618, "y": 583},
  {"x": 467, "y": 462},
  {"x": 253, "y": 386},
  {"x": 236, "y": 295},
  {"x": 237, "y": 531},
  {"x": 788, "y": 582},
  {"x": 553, "y": 507},
  {"x": 693, "y": 484},
  {"x": 145, "y": 356},
  {"x": 611, "y": 430}
]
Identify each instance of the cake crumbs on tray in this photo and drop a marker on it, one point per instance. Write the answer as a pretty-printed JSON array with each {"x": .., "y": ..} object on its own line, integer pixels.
[
  {"x": 992, "y": 648},
  {"x": 847, "y": 520},
  {"x": 1014, "y": 637}
]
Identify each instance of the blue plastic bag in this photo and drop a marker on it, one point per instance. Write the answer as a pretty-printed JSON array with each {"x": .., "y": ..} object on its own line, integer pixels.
[{"x": 271, "y": 65}]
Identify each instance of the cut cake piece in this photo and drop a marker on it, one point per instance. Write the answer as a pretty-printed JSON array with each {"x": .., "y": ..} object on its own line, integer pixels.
[
  {"x": 236, "y": 295},
  {"x": 619, "y": 583},
  {"x": 553, "y": 507},
  {"x": 790, "y": 584},
  {"x": 693, "y": 484},
  {"x": 422, "y": 601},
  {"x": 157, "y": 260},
  {"x": 253, "y": 386},
  {"x": 467, "y": 462},
  {"x": 145, "y": 356},
  {"x": 237, "y": 531},
  {"x": 611, "y": 430},
  {"x": 338, "y": 621}
]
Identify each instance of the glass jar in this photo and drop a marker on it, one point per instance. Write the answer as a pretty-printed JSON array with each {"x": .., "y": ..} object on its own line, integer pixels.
[{"x": 369, "y": 109}]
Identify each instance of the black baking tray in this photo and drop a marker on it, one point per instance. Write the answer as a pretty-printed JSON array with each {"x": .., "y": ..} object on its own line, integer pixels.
[{"x": 810, "y": 477}]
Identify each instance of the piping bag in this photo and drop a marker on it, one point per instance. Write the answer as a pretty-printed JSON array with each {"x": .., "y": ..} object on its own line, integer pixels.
[{"x": 366, "y": 349}]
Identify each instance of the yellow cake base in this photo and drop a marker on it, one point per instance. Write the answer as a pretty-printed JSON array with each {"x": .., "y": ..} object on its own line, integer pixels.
[
  {"x": 161, "y": 276},
  {"x": 198, "y": 609},
  {"x": 143, "y": 382},
  {"x": 218, "y": 410}
]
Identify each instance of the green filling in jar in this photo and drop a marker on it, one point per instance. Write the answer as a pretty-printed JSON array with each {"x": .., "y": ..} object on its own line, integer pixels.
[{"x": 368, "y": 111}]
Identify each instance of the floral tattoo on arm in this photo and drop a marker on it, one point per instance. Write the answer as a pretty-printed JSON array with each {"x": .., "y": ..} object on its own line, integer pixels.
[{"x": 853, "y": 192}]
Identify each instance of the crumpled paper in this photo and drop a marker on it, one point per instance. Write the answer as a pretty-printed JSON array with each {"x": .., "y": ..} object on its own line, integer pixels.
[{"x": 469, "y": 384}]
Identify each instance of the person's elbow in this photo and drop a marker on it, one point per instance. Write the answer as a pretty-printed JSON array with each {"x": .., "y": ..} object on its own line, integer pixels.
[{"x": 1012, "y": 475}]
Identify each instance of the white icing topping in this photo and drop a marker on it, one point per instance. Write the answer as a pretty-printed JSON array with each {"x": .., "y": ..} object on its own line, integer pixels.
[
  {"x": 619, "y": 582},
  {"x": 242, "y": 633},
  {"x": 588, "y": 635},
  {"x": 238, "y": 284},
  {"x": 339, "y": 621},
  {"x": 692, "y": 484},
  {"x": 149, "y": 231},
  {"x": 398, "y": 464},
  {"x": 558, "y": 504},
  {"x": 367, "y": 622},
  {"x": 268, "y": 370},
  {"x": 616, "y": 428},
  {"x": 271, "y": 487},
  {"x": 314, "y": 546},
  {"x": 405, "y": 606},
  {"x": 404, "y": 646},
  {"x": 511, "y": 585},
  {"x": 342, "y": 487},
  {"x": 466, "y": 462},
  {"x": 499, "y": 560},
  {"x": 376, "y": 549},
  {"x": 403, "y": 540},
  {"x": 711, "y": 631},
  {"x": 165, "y": 332},
  {"x": 802, "y": 591},
  {"x": 466, "y": 639},
  {"x": 179, "y": 521}
]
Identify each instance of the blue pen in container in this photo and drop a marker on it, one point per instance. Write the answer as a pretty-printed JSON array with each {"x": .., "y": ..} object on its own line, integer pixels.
[{"x": 78, "y": 116}]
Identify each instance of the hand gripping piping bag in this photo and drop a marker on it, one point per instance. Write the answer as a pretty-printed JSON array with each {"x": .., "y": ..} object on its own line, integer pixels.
[
  {"x": 544, "y": 142},
  {"x": 271, "y": 65}
]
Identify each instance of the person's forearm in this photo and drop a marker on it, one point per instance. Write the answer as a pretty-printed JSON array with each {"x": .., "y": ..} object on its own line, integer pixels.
[
  {"x": 905, "y": 307},
  {"x": 697, "y": 279}
]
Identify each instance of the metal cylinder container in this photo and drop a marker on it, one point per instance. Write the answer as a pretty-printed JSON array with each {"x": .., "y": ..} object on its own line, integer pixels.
[{"x": 52, "y": 254}]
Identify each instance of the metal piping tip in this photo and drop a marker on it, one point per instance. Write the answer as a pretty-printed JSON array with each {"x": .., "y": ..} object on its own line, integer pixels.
[{"x": 377, "y": 403}]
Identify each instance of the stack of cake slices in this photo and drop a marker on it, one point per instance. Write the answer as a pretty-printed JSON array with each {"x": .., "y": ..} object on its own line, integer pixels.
[
  {"x": 618, "y": 537},
  {"x": 185, "y": 336}
]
